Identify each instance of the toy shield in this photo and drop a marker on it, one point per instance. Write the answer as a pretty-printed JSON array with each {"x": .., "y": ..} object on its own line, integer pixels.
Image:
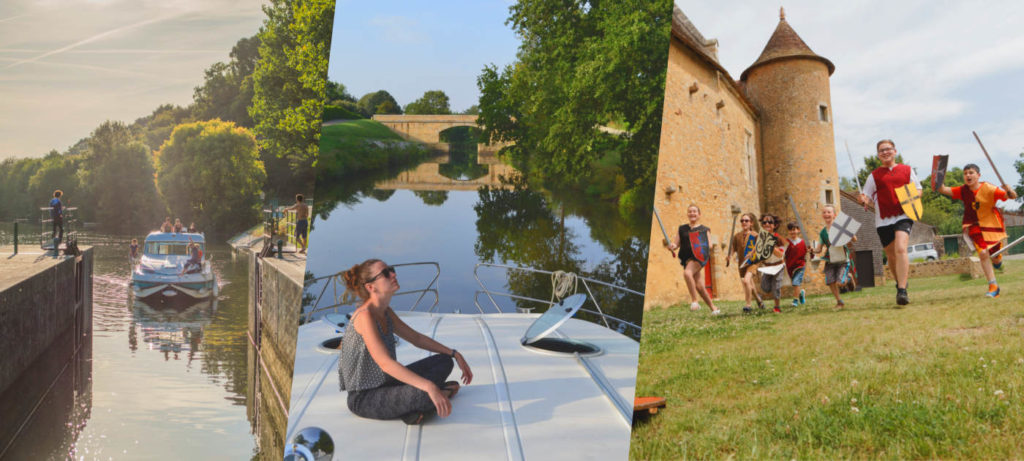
[
  {"x": 699, "y": 245},
  {"x": 939, "y": 163},
  {"x": 910, "y": 200},
  {"x": 763, "y": 247},
  {"x": 748, "y": 247},
  {"x": 843, "y": 229}
]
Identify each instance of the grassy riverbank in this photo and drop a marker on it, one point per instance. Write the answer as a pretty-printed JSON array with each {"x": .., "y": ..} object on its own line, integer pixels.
[
  {"x": 942, "y": 378},
  {"x": 355, "y": 146}
]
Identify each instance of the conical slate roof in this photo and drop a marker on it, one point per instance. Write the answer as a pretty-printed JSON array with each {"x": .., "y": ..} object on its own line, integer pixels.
[{"x": 785, "y": 44}]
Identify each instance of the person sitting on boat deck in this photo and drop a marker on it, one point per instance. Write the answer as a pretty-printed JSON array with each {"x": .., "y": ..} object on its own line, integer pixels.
[
  {"x": 195, "y": 260},
  {"x": 166, "y": 226},
  {"x": 57, "y": 214},
  {"x": 178, "y": 227},
  {"x": 301, "y": 221},
  {"x": 192, "y": 228},
  {"x": 378, "y": 386}
]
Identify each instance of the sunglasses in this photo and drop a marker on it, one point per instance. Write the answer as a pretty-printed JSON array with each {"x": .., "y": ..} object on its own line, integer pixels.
[
  {"x": 768, "y": 222},
  {"x": 744, "y": 220},
  {"x": 387, "y": 272}
]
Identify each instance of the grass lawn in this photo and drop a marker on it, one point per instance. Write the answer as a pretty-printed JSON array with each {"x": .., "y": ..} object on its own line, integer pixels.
[
  {"x": 362, "y": 145},
  {"x": 941, "y": 378}
]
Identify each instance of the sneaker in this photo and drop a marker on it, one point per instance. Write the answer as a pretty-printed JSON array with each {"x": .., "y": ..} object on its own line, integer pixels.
[
  {"x": 997, "y": 262},
  {"x": 694, "y": 306},
  {"x": 716, "y": 312},
  {"x": 777, "y": 310},
  {"x": 760, "y": 304},
  {"x": 803, "y": 297},
  {"x": 839, "y": 305},
  {"x": 901, "y": 297},
  {"x": 993, "y": 291},
  {"x": 747, "y": 309},
  {"x": 796, "y": 302}
]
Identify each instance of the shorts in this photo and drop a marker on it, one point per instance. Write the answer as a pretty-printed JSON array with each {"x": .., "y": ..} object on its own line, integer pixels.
[
  {"x": 772, "y": 284},
  {"x": 797, "y": 277},
  {"x": 888, "y": 233},
  {"x": 300, "y": 228},
  {"x": 833, "y": 272}
]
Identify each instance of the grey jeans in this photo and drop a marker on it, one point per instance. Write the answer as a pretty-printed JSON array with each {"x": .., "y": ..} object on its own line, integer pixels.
[{"x": 395, "y": 399}]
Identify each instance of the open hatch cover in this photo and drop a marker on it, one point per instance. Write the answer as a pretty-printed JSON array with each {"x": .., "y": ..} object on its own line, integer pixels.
[{"x": 537, "y": 334}]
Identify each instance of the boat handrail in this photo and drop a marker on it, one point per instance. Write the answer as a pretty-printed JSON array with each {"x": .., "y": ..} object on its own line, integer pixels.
[
  {"x": 336, "y": 283},
  {"x": 622, "y": 325}
]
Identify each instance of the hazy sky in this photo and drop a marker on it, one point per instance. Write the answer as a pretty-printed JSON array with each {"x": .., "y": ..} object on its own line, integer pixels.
[
  {"x": 66, "y": 66},
  {"x": 923, "y": 73},
  {"x": 408, "y": 48}
]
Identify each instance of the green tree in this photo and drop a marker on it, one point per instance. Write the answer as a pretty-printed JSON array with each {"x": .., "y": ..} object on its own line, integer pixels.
[
  {"x": 57, "y": 171},
  {"x": 388, "y": 107},
  {"x": 227, "y": 88},
  {"x": 335, "y": 93},
  {"x": 472, "y": 110},
  {"x": 210, "y": 173},
  {"x": 432, "y": 102},
  {"x": 119, "y": 174},
  {"x": 290, "y": 82},
  {"x": 370, "y": 102},
  {"x": 155, "y": 128},
  {"x": 581, "y": 65},
  {"x": 1019, "y": 166}
]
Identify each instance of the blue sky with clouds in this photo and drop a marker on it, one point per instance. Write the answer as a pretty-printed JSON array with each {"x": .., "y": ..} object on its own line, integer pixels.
[
  {"x": 66, "y": 66},
  {"x": 923, "y": 73},
  {"x": 410, "y": 47}
]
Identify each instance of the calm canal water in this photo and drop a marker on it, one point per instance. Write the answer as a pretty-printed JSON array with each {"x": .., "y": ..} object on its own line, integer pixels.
[
  {"x": 156, "y": 382},
  {"x": 457, "y": 212}
]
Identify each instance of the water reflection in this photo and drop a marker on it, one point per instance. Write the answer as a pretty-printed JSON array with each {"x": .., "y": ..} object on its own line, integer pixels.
[
  {"x": 460, "y": 208},
  {"x": 152, "y": 381}
]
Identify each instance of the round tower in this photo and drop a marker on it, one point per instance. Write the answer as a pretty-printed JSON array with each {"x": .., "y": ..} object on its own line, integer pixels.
[{"x": 789, "y": 86}]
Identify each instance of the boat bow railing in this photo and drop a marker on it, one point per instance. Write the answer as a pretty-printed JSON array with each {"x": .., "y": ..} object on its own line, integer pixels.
[
  {"x": 333, "y": 298},
  {"x": 620, "y": 325}
]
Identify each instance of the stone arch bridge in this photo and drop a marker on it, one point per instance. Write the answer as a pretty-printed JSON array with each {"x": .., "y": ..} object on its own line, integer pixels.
[{"x": 427, "y": 129}]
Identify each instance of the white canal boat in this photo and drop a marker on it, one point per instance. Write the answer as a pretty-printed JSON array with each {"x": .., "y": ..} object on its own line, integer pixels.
[
  {"x": 161, "y": 270},
  {"x": 545, "y": 386}
]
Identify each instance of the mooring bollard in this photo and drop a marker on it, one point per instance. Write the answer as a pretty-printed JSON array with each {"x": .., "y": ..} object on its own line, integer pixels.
[
  {"x": 280, "y": 246},
  {"x": 15, "y": 237}
]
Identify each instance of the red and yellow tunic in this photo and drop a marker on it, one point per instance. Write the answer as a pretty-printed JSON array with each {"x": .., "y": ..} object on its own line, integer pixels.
[
  {"x": 886, "y": 183},
  {"x": 982, "y": 220}
]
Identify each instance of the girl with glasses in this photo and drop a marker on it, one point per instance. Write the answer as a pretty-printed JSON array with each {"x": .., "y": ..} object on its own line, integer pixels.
[
  {"x": 742, "y": 247},
  {"x": 771, "y": 268},
  {"x": 378, "y": 386}
]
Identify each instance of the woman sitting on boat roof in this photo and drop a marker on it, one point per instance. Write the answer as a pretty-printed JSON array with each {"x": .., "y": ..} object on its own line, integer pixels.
[
  {"x": 378, "y": 386},
  {"x": 195, "y": 260}
]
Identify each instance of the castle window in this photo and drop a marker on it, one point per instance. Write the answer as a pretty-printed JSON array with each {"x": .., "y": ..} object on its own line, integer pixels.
[
  {"x": 829, "y": 198},
  {"x": 823, "y": 112}
]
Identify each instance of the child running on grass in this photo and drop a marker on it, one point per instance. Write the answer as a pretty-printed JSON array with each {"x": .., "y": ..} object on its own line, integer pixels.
[
  {"x": 982, "y": 223},
  {"x": 742, "y": 249},
  {"x": 835, "y": 259},
  {"x": 771, "y": 268},
  {"x": 796, "y": 257},
  {"x": 691, "y": 265}
]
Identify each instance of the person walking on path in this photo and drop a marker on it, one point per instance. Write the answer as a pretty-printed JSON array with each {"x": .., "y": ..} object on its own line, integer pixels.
[{"x": 891, "y": 223}]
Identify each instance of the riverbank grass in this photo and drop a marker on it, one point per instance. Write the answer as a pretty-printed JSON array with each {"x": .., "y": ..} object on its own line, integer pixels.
[
  {"x": 355, "y": 146},
  {"x": 941, "y": 378}
]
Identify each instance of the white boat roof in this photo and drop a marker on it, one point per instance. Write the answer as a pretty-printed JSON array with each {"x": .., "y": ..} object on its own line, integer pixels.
[
  {"x": 181, "y": 237},
  {"x": 522, "y": 403}
]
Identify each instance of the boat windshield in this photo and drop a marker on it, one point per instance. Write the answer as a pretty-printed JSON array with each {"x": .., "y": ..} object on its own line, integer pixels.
[{"x": 168, "y": 248}]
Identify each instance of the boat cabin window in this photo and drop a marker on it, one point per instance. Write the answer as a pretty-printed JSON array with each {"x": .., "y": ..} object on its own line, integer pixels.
[{"x": 169, "y": 248}]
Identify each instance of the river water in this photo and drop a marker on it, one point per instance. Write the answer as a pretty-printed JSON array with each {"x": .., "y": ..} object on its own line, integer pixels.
[
  {"x": 155, "y": 382},
  {"x": 458, "y": 212}
]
